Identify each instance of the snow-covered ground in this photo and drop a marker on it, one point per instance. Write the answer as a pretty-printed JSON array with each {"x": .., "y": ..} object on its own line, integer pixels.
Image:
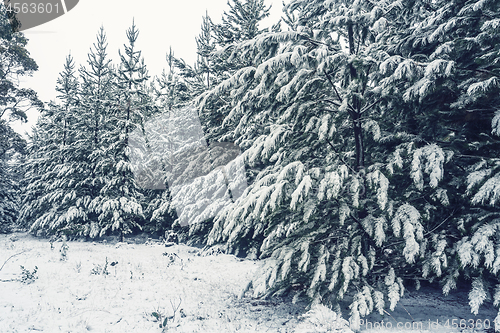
[{"x": 145, "y": 284}]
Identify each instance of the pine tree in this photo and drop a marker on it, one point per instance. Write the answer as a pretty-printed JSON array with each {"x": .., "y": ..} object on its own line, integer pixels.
[
  {"x": 458, "y": 53},
  {"x": 97, "y": 87},
  {"x": 363, "y": 131},
  {"x": 12, "y": 148},
  {"x": 96, "y": 108},
  {"x": 238, "y": 25},
  {"x": 67, "y": 148},
  {"x": 118, "y": 203},
  {"x": 205, "y": 45},
  {"x": 171, "y": 89},
  {"x": 15, "y": 62},
  {"x": 150, "y": 155},
  {"x": 241, "y": 22},
  {"x": 43, "y": 160},
  {"x": 178, "y": 88},
  {"x": 346, "y": 194},
  {"x": 52, "y": 193}
]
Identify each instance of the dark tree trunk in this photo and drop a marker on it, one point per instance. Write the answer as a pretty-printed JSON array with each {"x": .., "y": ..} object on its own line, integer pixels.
[{"x": 356, "y": 105}]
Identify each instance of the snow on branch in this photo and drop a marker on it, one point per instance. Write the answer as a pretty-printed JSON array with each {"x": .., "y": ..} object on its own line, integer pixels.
[
  {"x": 428, "y": 159},
  {"x": 301, "y": 191},
  {"x": 378, "y": 180},
  {"x": 477, "y": 295},
  {"x": 490, "y": 191},
  {"x": 481, "y": 87},
  {"x": 495, "y": 124},
  {"x": 408, "y": 218}
]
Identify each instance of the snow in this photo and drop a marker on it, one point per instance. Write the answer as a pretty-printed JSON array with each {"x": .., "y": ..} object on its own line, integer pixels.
[
  {"x": 495, "y": 124},
  {"x": 489, "y": 191},
  {"x": 434, "y": 157},
  {"x": 483, "y": 86},
  {"x": 477, "y": 295},
  {"x": 378, "y": 178},
  {"x": 301, "y": 192},
  {"x": 67, "y": 297},
  {"x": 201, "y": 292}
]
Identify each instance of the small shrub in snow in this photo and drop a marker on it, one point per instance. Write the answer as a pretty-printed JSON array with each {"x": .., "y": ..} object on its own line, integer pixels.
[
  {"x": 101, "y": 270},
  {"x": 28, "y": 276},
  {"x": 173, "y": 258},
  {"x": 78, "y": 267},
  {"x": 163, "y": 318},
  {"x": 160, "y": 318},
  {"x": 64, "y": 250},
  {"x": 96, "y": 270}
]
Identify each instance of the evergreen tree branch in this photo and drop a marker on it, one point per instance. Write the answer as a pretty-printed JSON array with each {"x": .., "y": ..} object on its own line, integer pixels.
[
  {"x": 350, "y": 107},
  {"x": 479, "y": 70},
  {"x": 440, "y": 224},
  {"x": 368, "y": 107}
]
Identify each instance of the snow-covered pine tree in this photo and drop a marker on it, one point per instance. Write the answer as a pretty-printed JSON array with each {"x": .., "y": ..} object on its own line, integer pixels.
[
  {"x": 15, "y": 62},
  {"x": 343, "y": 188},
  {"x": 205, "y": 44},
  {"x": 183, "y": 83},
  {"x": 239, "y": 24},
  {"x": 39, "y": 209},
  {"x": 118, "y": 202},
  {"x": 12, "y": 149},
  {"x": 97, "y": 97},
  {"x": 172, "y": 90},
  {"x": 97, "y": 88},
  {"x": 52, "y": 190},
  {"x": 455, "y": 54},
  {"x": 425, "y": 78},
  {"x": 68, "y": 148},
  {"x": 67, "y": 87}
]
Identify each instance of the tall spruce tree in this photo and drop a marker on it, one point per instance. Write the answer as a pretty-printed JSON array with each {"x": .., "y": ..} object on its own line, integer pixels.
[
  {"x": 97, "y": 88},
  {"x": 173, "y": 90},
  {"x": 205, "y": 44},
  {"x": 53, "y": 171},
  {"x": 118, "y": 203},
  {"x": 67, "y": 149},
  {"x": 170, "y": 88},
  {"x": 15, "y": 62},
  {"x": 239, "y": 24},
  {"x": 97, "y": 96}
]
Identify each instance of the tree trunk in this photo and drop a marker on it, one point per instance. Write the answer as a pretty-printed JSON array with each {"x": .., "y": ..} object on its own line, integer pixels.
[{"x": 356, "y": 113}]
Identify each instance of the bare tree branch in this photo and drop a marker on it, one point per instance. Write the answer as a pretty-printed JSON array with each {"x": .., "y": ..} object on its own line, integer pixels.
[{"x": 12, "y": 256}]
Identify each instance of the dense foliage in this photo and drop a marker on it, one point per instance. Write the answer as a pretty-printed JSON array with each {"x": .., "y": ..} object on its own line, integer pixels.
[
  {"x": 368, "y": 131},
  {"x": 15, "y": 62}
]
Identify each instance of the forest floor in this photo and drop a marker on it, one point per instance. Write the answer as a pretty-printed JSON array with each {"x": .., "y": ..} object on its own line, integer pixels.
[{"x": 140, "y": 286}]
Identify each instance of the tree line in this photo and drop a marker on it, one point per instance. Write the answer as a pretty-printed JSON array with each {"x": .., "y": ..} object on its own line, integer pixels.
[{"x": 369, "y": 131}]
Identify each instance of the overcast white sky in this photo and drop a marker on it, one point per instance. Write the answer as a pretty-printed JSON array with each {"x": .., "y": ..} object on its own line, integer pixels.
[{"x": 161, "y": 24}]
